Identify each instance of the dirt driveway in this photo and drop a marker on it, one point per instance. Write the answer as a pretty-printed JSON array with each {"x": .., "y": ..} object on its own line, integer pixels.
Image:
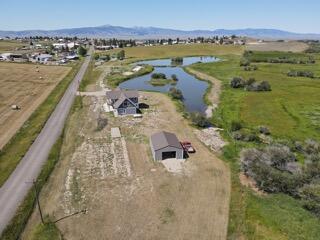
[{"x": 148, "y": 203}]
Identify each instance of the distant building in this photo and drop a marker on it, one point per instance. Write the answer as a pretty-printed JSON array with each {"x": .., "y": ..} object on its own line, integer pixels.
[
  {"x": 43, "y": 58},
  {"x": 124, "y": 102},
  {"x": 165, "y": 145}
]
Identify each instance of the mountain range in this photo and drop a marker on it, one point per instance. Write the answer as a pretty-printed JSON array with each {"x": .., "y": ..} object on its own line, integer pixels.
[{"x": 108, "y": 31}]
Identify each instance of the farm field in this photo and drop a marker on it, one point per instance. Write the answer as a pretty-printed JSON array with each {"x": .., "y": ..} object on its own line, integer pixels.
[
  {"x": 291, "y": 46},
  {"x": 134, "y": 197},
  {"x": 20, "y": 84},
  {"x": 10, "y": 45},
  {"x": 168, "y": 51}
]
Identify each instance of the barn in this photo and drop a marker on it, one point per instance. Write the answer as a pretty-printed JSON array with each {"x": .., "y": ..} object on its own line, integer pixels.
[{"x": 165, "y": 145}]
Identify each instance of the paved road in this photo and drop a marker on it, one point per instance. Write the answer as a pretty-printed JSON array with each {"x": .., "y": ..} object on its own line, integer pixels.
[{"x": 18, "y": 184}]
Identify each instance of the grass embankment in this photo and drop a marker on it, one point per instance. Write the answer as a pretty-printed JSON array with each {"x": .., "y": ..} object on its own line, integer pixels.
[
  {"x": 115, "y": 79},
  {"x": 16, "y": 148},
  {"x": 18, "y": 223},
  {"x": 48, "y": 231},
  {"x": 90, "y": 77},
  {"x": 291, "y": 111},
  {"x": 171, "y": 51}
]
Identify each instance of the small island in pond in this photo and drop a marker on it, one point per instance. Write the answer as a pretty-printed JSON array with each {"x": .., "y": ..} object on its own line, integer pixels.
[{"x": 160, "y": 79}]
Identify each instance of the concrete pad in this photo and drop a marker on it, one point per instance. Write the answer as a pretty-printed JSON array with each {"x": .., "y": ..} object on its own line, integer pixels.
[
  {"x": 173, "y": 165},
  {"x": 115, "y": 133}
]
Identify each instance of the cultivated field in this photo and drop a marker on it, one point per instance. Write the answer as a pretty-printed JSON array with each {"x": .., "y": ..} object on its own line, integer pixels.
[
  {"x": 27, "y": 86},
  {"x": 292, "y": 46},
  {"x": 126, "y": 194}
]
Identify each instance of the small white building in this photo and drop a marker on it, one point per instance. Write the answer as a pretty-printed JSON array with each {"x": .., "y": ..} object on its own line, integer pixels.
[{"x": 43, "y": 58}]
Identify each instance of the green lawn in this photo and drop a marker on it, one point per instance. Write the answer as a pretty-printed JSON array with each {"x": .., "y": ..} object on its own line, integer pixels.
[{"x": 291, "y": 111}]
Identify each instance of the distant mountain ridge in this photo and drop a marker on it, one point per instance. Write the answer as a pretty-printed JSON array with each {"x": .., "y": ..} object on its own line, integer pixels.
[{"x": 109, "y": 31}]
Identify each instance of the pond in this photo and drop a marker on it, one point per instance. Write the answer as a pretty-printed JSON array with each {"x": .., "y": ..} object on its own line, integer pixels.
[{"x": 192, "y": 89}]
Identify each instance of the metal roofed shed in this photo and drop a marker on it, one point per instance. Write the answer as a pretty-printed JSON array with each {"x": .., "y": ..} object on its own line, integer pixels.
[{"x": 165, "y": 145}]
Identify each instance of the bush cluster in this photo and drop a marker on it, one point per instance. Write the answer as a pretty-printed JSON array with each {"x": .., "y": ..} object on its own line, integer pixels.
[
  {"x": 250, "y": 68},
  {"x": 158, "y": 76},
  {"x": 250, "y": 84},
  {"x": 293, "y": 73},
  {"x": 276, "y": 170},
  {"x": 177, "y": 61},
  {"x": 199, "y": 120},
  {"x": 176, "y": 93}
]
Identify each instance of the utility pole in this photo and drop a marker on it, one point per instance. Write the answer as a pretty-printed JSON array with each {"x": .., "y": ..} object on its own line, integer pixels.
[{"x": 37, "y": 199}]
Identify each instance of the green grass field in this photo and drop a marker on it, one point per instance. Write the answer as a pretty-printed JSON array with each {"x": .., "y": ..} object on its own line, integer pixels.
[{"x": 291, "y": 111}]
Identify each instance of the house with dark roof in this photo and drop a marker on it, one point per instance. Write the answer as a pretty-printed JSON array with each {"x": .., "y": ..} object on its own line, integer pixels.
[
  {"x": 123, "y": 102},
  {"x": 165, "y": 145}
]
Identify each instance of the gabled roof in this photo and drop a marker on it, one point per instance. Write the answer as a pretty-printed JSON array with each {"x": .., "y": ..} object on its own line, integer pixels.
[
  {"x": 119, "y": 101},
  {"x": 164, "y": 139},
  {"x": 116, "y": 94}
]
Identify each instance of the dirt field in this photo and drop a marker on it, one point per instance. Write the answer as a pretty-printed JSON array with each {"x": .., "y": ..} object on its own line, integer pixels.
[
  {"x": 22, "y": 85},
  {"x": 291, "y": 46},
  {"x": 126, "y": 194}
]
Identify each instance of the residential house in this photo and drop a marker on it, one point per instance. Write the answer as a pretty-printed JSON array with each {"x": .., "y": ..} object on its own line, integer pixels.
[{"x": 123, "y": 102}]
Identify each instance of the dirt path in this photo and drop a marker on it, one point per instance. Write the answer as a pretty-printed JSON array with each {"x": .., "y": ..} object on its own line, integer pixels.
[{"x": 214, "y": 96}]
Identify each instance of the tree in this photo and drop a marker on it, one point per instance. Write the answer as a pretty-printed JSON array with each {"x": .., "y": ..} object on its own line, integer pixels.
[
  {"x": 176, "y": 93},
  {"x": 199, "y": 120},
  {"x": 174, "y": 77},
  {"x": 82, "y": 51},
  {"x": 121, "y": 55}
]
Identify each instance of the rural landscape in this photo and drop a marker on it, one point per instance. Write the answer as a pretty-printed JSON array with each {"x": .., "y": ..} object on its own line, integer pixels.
[{"x": 113, "y": 132}]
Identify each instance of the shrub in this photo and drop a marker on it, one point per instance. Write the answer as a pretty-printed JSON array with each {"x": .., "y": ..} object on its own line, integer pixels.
[
  {"x": 244, "y": 62},
  {"x": 264, "y": 130},
  {"x": 199, "y": 120},
  {"x": 159, "y": 76},
  {"x": 269, "y": 168},
  {"x": 176, "y": 93},
  {"x": 174, "y": 77},
  {"x": 307, "y": 74},
  {"x": 235, "y": 126},
  {"x": 177, "y": 61},
  {"x": 237, "y": 82},
  {"x": 245, "y": 135}
]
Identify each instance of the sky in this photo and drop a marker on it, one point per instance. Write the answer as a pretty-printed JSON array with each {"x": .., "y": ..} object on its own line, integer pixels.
[{"x": 301, "y": 16}]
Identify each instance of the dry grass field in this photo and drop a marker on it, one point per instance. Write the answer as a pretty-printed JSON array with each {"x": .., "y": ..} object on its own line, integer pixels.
[
  {"x": 27, "y": 86},
  {"x": 291, "y": 46},
  {"x": 135, "y": 199},
  {"x": 169, "y": 51},
  {"x": 10, "y": 45}
]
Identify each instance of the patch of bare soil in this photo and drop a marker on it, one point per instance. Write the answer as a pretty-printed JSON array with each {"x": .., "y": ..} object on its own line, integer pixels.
[
  {"x": 249, "y": 182},
  {"x": 127, "y": 195}
]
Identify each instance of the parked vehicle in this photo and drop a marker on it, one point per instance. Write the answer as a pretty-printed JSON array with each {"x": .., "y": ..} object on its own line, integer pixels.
[{"x": 188, "y": 147}]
